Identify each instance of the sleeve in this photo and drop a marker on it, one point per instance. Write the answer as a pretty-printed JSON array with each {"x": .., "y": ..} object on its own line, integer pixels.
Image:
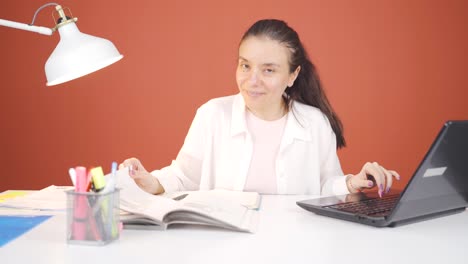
[
  {"x": 331, "y": 175},
  {"x": 185, "y": 171}
]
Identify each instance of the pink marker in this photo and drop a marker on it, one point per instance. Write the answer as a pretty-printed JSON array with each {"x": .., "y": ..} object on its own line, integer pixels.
[
  {"x": 80, "y": 216},
  {"x": 80, "y": 205},
  {"x": 81, "y": 179}
]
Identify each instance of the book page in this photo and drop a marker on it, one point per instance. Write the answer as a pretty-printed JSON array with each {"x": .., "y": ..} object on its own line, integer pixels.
[
  {"x": 226, "y": 213},
  {"x": 135, "y": 200},
  {"x": 222, "y": 208},
  {"x": 251, "y": 200}
]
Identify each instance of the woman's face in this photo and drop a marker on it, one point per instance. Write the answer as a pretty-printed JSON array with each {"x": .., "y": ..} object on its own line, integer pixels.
[{"x": 262, "y": 76}]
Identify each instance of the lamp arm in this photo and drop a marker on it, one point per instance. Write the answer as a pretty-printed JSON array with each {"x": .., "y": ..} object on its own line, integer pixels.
[
  {"x": 23, "y": 26},
  {"x": 30, "y": 27}
]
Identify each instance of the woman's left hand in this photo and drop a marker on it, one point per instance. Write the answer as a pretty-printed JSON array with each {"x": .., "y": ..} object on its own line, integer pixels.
[{"x": 372, "y": 174}]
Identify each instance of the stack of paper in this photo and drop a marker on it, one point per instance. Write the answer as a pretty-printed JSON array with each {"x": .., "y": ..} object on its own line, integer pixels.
[{"x": 50, "y": 198}]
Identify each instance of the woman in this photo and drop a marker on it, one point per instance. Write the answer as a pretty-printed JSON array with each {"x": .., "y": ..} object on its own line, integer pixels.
[{"x": 279, "y": 135}]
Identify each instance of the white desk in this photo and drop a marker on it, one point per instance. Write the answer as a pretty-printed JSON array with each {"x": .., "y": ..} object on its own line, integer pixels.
[{"x": 286, "y": 234}]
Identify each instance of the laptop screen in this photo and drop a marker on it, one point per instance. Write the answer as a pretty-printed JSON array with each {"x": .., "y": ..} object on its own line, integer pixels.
[{"x": 441, "y": 181}]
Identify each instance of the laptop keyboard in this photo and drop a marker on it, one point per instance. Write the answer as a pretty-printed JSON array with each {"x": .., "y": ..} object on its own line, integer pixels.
[{"x": 372, "y": 207}]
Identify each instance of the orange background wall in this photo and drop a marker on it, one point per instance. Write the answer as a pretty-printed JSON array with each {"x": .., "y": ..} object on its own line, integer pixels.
[{"x": 394, "y": 71}]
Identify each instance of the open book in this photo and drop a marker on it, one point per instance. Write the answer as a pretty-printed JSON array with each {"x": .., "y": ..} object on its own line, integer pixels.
[{"x": 220, "y": 208}]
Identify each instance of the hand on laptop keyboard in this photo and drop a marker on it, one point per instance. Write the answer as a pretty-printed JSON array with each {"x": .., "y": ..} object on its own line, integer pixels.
[{"x": 372, "y": 174}]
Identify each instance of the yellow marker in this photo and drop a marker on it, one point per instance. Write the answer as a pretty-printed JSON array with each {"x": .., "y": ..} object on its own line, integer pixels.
[{"x": 98, "y": 178}]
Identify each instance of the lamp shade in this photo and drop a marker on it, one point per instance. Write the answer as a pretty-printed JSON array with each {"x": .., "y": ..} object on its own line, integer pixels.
[{"x": 78, "y": 54}]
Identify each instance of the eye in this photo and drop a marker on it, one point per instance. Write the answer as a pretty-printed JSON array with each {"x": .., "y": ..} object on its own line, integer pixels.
[
  {"x": 269, "y": 70},
  {"x": 244, "y": 67}
]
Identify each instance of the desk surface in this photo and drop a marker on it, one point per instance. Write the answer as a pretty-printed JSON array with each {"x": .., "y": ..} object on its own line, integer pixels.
[{"x": 286, "y": 234}]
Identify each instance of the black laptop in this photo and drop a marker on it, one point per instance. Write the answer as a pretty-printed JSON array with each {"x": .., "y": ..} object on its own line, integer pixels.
[{"x": 439, "y": 187}]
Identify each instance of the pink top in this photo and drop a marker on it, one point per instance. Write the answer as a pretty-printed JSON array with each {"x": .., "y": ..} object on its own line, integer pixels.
[{"x": 266, "y": 138}]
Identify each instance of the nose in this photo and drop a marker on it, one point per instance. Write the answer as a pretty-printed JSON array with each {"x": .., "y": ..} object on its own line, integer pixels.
[{"x": 253, "y": 77}]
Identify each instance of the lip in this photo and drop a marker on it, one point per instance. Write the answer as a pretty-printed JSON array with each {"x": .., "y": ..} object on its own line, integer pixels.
[{"x": 254, "y": 93}]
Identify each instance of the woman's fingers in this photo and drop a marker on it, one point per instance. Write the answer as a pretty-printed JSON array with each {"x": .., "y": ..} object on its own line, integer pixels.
[
  {"x": 136, "y": 168},
  {"x": 359, "y": 183},
  {"x": 128, "y": 162},
  {"x": 389, "y": 174},
  {"x": 141, "y": 176},
  {"x": 374, "y": 170},
  {"x": 389, "y": 179},
  {"x": 395, "y": 174}
]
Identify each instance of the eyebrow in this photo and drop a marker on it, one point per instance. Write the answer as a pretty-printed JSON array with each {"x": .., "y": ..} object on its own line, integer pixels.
[{"x": 268, "y": 64}]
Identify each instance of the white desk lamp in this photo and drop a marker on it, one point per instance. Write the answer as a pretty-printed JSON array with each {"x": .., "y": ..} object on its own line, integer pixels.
[{"x": 76, "y": 54}]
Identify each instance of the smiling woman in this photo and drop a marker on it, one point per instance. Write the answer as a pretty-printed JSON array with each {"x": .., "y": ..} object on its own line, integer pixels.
[
  {"x": 251, "y": 142},
  {"x": 262, "y": 76}
]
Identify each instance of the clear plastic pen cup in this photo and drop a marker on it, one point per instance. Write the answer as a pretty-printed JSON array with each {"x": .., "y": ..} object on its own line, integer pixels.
[{"x": 92, "y": 218}]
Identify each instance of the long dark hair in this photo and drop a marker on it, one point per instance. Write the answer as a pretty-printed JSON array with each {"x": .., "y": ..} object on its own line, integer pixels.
[{"x": 307, "y": 88}]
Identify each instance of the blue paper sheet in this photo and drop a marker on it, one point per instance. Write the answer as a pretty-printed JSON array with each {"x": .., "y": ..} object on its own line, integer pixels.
[{"x": 12, "y": 227}]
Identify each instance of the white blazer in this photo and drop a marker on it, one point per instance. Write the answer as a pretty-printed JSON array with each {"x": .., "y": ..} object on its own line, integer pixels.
[{"x": 218, "y": 148}]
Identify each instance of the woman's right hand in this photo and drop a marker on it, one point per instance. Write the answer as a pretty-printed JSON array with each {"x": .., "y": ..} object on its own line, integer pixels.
[{"x": 142, "y": 177}]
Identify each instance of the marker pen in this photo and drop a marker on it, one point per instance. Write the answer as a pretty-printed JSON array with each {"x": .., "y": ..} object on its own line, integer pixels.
[
  {"x": 101, "y": 205},
  {"x": 114, "y": 168},
  {"x": 72, "y": 174},
  {"x": 89, "y": 181},
  {"x": 111, "y": 179},
  {"x": 81, "y": 179},
  {"x": 80, "y": 207},
  {"x": 98, "y": 179},
  {"x": 80, "y": 215},
  {"x": 112, "y": 223}
]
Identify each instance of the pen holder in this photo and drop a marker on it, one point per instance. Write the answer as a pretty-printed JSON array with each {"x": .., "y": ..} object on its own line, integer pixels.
[{"x": 92, "y": 218}]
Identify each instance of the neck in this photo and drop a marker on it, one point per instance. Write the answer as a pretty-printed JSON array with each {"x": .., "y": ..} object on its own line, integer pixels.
[{"x": 270, "y": 114}]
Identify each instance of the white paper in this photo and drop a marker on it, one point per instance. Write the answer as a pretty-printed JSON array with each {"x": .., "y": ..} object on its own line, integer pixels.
[{"x": 50, "y": 198}]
